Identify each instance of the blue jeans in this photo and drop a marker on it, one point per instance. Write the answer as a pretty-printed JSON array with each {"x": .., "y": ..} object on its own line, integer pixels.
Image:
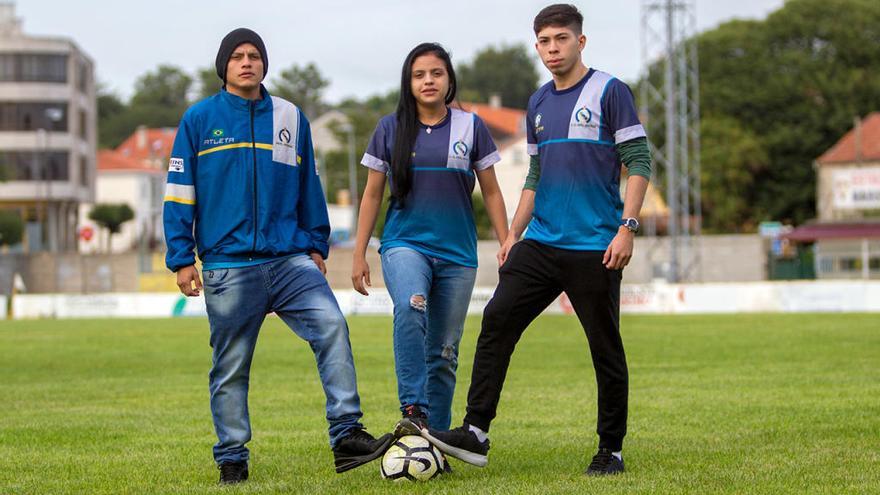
[
  {"x": 431, "y": 298},
  {"x": 238, "y": 300}
]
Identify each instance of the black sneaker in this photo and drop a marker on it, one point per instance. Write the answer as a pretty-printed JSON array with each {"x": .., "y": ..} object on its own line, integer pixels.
[
  {"x": 460, "y": 443},
  {"x": 414, "y": 419},
  {"x": 233, "y": 472},
  {"x": 359, "y": 448},
  {"x": 604, "y": 463}
]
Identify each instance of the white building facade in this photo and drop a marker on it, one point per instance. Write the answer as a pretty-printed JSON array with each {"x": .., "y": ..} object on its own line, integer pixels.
[{"x": 48, "y": 133}]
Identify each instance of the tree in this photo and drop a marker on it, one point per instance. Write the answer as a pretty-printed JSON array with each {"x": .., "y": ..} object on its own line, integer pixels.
[
  {"x": 159, "y": 100},
  {"x": 507, "y": 71},
  {"x": 304, "y": 86},
  {"x": 731, "y": 158},
  {"x": 363, "y": 116},
  {"x": 825, "y": 56},
  {"x": 167, "y": 86},
  {"x": 109, "y": 107},
  {"x": 209, "y": 83},
  {"x": 774, "y": 95},
  {"x": 11, "y": 228},
  {"x": 111, "y": 216}
]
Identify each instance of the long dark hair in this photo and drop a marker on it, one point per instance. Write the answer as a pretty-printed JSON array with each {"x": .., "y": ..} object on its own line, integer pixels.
[{"x": 408, "y": 121}]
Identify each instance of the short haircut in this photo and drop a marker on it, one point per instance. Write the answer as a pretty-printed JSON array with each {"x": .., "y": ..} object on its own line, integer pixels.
[{"x": 560, "y": 15}]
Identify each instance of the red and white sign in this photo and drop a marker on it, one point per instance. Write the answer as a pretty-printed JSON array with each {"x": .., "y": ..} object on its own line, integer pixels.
[{"x": 856, "y": 188}]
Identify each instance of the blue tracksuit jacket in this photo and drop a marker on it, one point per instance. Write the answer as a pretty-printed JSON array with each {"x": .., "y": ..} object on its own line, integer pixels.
[{"x": 242, "y": 184}]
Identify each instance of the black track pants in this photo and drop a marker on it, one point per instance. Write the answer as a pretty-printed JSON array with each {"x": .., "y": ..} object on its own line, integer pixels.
[{"x": 532, "y": 277}]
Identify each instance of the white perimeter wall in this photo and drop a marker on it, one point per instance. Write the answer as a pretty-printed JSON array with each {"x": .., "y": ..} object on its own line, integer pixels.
[{"x": 659, "y": 298}]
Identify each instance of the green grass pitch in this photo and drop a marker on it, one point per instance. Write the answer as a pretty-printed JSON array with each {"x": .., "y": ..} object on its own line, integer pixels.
[{"x": 718, "y": 404}]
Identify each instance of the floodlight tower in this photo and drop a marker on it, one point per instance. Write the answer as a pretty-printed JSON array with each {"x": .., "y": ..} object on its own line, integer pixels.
[{"x": 670, "y": 102}]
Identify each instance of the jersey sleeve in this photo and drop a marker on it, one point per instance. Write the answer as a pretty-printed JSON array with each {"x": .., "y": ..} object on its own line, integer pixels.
[
  {"x": 485, "y": 152},
  {"x": 376, "y": 157},
  {"x": 620, "y": 114},
  {"x": 531, "y": 139}
]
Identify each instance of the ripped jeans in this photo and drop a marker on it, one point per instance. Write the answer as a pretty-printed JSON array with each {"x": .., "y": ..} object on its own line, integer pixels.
[{"x": 431, "y": 298}]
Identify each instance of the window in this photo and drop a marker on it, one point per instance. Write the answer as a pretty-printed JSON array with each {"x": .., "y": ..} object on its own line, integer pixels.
[
  {"x": 83, "y": 77},
  {"x": 35, "y": 166},
  {"x": 874, "y": 264},
  {"x": 18, "y": 116},
  {"x": 850, "y": 264},
  {"x": 84, "y": 171},
  {"x": 33, "y": 67},
  {"x": 7, "y": 66},
  {"x": 83, "y": 125},
  {"x": 56, "y": 166}
]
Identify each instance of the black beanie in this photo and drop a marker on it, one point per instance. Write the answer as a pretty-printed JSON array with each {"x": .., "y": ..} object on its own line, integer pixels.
[{"x": 230, "y": 43}]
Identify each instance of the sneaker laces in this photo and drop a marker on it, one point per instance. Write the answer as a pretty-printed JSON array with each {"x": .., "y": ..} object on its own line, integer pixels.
[
  {"x": 464, "y": 429},
  {"x": 413, "y": 411},
  {"x": 360, "y": 434},
  {"x": 601, "y": 460}
]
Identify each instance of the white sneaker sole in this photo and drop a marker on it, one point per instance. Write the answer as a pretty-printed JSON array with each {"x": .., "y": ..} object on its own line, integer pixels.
[{"x": 461, "y": 454}]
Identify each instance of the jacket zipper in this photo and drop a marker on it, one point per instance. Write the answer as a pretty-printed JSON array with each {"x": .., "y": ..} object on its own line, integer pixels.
[{"x": 254, "y": 155}]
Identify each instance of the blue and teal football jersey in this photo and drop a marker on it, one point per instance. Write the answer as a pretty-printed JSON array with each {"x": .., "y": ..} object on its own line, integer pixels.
[
  {"x": 574, "y": 132},
  {"x": 437, "y": 218}
]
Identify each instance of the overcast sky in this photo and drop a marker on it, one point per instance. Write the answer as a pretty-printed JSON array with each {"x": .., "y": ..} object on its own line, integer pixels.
[{"x": 358, "y": 45}]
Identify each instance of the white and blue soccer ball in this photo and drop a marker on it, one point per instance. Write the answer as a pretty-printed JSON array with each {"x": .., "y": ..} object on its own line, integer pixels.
[{"x": 412, "y": 458}]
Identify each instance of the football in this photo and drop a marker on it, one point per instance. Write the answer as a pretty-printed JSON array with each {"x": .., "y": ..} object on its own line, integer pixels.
[{"x": 412, "y": 458}]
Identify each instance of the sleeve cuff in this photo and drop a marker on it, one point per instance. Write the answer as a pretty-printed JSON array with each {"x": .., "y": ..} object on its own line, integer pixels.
[
  {"x": 321, "y": 248},
  {"x": 488, "y": 160},
  {"x": 177, "y": 265},
  {"x": 374, "y": 163},
  {"x": 640, "y": 169},
  {"x": 628, "y": 133}
]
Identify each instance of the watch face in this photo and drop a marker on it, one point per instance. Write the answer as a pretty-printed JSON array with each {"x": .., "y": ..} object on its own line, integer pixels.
[{"x": 632, "y": 224}]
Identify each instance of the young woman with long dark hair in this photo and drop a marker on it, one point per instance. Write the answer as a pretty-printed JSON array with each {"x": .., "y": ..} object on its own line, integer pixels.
[{"x": 432, "y": 155}]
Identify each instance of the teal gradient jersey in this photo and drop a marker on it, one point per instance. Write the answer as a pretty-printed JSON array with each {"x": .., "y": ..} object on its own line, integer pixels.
[
  {"x": 574, "y": 133},
  {"x": 437, "y": 219}
]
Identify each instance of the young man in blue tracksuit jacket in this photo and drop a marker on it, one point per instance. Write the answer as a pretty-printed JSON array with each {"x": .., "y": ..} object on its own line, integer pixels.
[{"x": 243, "y": 192}]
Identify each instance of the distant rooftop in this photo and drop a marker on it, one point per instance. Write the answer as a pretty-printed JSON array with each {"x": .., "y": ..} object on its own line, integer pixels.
[
  {"x": 843, "y": 230},
  {"x": 146, "y": 150},
  {"x": 861, "y": 143},
  {"x": 148, "y": 143},
  {"x": 500, "y": 120}
]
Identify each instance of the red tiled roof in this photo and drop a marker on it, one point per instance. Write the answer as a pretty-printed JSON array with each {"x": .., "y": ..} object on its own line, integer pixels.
[
  {"x": 844, "y": 151},
  {"x": 818, "y": 231},
  {"x": 510, "y": 121},
  {"x": 114, "y": 161},
  {"x": 145, "y": 144}
]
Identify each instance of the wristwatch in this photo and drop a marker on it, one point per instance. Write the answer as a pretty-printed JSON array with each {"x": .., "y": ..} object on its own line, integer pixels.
[{"x": 631, "y": 224}]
